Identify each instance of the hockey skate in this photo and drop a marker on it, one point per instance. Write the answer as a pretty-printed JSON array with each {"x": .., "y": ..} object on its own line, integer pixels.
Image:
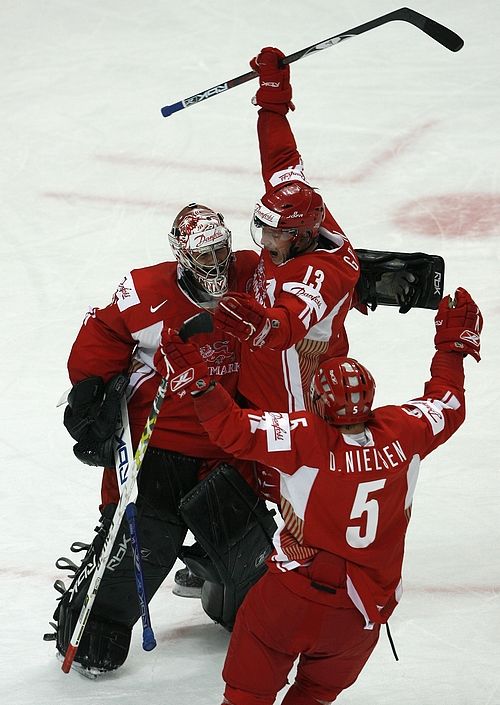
[{"x": 187, "y": 584}]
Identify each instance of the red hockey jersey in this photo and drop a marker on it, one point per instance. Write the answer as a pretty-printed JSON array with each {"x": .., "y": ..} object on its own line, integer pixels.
[
  {"x": 346, "y": 495},
  {"x": 315, "y": 288},
  {"x": 125, "y": 335}
]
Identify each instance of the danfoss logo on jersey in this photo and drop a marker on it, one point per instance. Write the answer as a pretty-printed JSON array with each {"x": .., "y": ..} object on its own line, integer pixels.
[
  {"x": 303, "y": 293},
  {"x": 122, "y": 292},
  {"x": 291, "y": 175},
  {"x": 279, "y": 432}
]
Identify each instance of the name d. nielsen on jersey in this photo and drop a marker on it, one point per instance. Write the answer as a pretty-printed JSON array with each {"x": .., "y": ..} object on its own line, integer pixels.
[{"x": 369, "y": 459}]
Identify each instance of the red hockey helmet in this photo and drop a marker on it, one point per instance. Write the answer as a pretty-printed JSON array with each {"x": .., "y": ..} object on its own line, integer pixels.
[
  {"x": 293, "y": 207},
  {"x": 345, "y": 390}
]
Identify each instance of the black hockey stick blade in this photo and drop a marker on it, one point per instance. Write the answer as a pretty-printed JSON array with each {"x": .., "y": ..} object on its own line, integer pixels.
[
  {"x": 436, "y": 31},
  {"x": 433, "y": 29},
  {"x": 199, "y": 323}
]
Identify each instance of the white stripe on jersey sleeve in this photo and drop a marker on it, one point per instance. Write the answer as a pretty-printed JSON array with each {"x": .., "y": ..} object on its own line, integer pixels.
[{"x": 323, "y": 329}]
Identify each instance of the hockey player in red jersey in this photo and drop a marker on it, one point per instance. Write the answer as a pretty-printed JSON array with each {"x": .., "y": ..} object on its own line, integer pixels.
[
  {"x": 125, "y": 335},
  {"x": 113, "y": 354},
  {"x": 304, "y": 283},
  {"x": 308, "y": 276},
  {"x": 347, "y": 479}
]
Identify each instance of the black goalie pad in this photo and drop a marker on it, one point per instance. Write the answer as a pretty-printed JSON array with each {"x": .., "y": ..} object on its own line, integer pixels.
[
  {"x": 164, "y": 479},
  {"x": 404, "y": 279},
  {"x": 234, "y": 530}
]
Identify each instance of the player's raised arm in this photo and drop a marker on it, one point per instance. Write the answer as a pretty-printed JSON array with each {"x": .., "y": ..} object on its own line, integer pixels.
[{"x": 441, "y": 409}]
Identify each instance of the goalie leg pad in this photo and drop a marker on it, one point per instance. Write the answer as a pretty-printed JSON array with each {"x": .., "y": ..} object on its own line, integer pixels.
[
  {"x": 234, "y": 530},
  {"x": 164, "y": 479}
]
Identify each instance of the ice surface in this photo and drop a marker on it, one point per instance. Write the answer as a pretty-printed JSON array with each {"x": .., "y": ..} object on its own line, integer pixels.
[{"x": 402, "y": 138}]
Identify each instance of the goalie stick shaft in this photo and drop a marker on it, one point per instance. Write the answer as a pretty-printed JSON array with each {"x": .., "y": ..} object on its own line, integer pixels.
[
  {"x": 200, "y": 323},
  {"x": 126, "y": 497},
  {"x": 433, "y": 29},
  {"x": 124, "y": 463}
]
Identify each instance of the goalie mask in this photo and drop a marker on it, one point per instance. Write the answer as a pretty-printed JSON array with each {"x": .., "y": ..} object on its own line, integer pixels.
[
  {"x": 343, "y": 391},
  {"x": 290, "y": 212},
  {"x": 201, "y": 244}
]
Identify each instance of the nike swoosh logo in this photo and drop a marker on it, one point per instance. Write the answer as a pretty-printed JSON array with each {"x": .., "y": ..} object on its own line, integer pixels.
[{"x": 154, "y": 309}]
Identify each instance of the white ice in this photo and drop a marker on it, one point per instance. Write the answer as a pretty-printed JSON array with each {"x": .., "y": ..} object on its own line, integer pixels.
[{"x": 400, "y": 135}]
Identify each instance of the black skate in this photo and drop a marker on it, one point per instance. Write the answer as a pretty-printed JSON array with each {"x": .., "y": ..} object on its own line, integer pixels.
[{"x": 187, "y": 584}]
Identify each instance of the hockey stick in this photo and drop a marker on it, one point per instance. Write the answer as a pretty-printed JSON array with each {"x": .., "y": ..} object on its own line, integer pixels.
[
  {"x": 201, "y": 323},
  {"x": 433, "y": 29},
  {"x": 123, "y": 458}
]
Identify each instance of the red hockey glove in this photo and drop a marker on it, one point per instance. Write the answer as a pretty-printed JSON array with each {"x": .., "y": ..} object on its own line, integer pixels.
[
  {"x": 242, "y": 316},
  {"x": 275, "y": 92},
  {"x": 458, "y": 325},
  {"x": 182, "y": 364}
]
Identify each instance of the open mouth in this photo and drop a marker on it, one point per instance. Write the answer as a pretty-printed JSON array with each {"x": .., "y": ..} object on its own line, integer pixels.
[{"x": 275, "y": 255}]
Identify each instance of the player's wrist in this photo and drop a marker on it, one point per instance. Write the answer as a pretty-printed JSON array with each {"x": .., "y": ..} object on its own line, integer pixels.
[{"x": 201, "y": 392}]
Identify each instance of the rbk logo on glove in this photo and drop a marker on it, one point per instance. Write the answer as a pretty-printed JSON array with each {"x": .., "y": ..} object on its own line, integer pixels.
[
  {"x": 471, "y": 337},
  {"x": 182, "y": 380}
]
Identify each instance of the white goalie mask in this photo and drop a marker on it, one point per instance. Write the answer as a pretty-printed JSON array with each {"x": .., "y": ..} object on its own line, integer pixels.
[{"x": 201, "y": 244}]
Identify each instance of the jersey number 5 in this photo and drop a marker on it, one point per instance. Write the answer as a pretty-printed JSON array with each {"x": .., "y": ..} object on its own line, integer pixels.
[{"x": 363, "y": 505}]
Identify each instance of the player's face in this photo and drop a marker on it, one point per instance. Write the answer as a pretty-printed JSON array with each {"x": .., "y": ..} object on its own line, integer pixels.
[
  {"x": 277, "y": 242},
  {"x": 206, "y": 259}
]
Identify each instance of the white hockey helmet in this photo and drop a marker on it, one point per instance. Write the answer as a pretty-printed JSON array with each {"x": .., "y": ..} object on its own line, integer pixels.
[{"x": 201, "y": 244}]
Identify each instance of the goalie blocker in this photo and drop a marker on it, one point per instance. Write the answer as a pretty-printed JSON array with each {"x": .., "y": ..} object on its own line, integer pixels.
[{"x": 404, "y": 279}]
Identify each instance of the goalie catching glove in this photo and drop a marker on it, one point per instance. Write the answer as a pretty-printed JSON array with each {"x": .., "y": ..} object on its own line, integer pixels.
[
  {"x": 458, "y": 325},
  {"x": 182, "y": 365},
  {"x": 404, "y": 279},
  {"x": 91, "y": 418}
]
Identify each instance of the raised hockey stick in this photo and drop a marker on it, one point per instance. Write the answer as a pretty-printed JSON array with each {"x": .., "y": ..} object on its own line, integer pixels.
[
  {"x": 201, "y": 323},
  {"x": 433, "y": 29},
  {"x": 124, "y": 455}
]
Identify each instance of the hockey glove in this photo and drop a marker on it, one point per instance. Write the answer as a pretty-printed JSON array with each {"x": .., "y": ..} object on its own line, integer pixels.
[
  {"x": 244, "y": 318},
  {"x": 275, "y": 92},
  {"x": 182, "y": 364},
  {"x": 91, "y": 418},
  {"x": 458, "y": 325},
  {"x": 404, "y": 279}
]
